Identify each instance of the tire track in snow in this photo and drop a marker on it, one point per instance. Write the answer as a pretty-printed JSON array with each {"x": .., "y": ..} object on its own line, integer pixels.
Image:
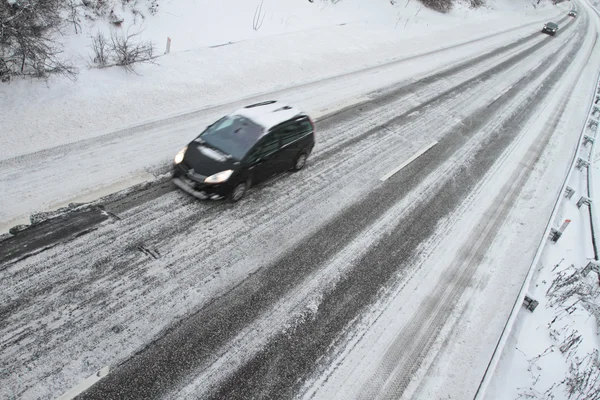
[
  {"x": 260, "y": 290},
  {"x": 408, "y": 352},
  {"x": 405, "y": 355},
  {"x": 329, "y": 146},
  {"x": 274, "y": 372},
  {"x": 115, "y": 278}
]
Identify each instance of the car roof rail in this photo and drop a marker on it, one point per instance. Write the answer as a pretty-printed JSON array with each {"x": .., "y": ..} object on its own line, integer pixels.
[{"x": 264, "y": 103}]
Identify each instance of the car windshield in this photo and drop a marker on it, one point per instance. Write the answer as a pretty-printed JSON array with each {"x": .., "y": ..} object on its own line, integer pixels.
[
  {"x": 551, "y": 25},
  {"x": 234, "y": 135}
]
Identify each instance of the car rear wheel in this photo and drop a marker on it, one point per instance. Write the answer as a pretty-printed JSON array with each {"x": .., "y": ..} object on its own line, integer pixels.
[
  {"x": 300, "y": 161},
  {"x": 239, "y": 191}
]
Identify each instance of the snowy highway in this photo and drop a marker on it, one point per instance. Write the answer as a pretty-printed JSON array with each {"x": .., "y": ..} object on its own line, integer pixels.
[{"x": 358, "y": 277}]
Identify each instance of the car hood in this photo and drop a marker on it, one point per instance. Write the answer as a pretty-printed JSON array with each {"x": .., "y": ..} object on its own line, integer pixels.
[{"x": 205, "y": 160}]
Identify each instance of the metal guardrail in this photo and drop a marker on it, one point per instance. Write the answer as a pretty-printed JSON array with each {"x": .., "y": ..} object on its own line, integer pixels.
[
  {"x": 590, "y": 179},
  {"x": 492, "y": 365}
]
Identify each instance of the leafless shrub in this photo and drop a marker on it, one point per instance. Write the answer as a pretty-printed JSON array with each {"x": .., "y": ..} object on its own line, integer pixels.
[
  {"x": 95, "y": 8},
  {"x": 128, "y": 49},
  {"x": 566, "y": 288},
  {"x": 73, "y": 14},
  {"x": 570, "y": 344},
  {"x": 27, "y": 39},
  {"x": 101, "y": 49},
  {"x": 442, "y": 6},
  {"x": 4, "y": 71},
  {"x": 583, "y": 382},
  {"x": 153, "y": 7},
  {"x": 568, "y": 291}
]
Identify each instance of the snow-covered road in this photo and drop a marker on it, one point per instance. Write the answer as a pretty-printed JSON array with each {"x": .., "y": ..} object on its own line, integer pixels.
[
  {"x": 328, "y": 283},
  {"x": 44, "y": 168}
]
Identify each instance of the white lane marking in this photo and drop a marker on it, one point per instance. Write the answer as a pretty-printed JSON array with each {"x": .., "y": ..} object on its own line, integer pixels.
[
  {"x": 84, "y": 385},
  {"x": 502, "y": 93},
  {"x": 405, "y": 163}
]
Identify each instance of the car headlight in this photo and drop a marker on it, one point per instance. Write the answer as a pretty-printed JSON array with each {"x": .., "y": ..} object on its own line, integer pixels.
[
  {"x": 219, "y": 177},
  {"x": 180, "y": 155}
]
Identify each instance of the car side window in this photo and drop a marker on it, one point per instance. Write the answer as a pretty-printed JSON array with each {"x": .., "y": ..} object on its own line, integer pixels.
[
  {"x": 270, "y": 144},
  {"x": 254, "y": 154},
  {"x": 304, "y": 125},
  {"x": 265, "y": 147},
  {"x": 293, "y": 131},
  {"x": 288, "y": 133}
]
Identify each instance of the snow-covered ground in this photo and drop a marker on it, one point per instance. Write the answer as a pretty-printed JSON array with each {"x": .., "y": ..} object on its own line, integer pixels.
[
  {"x": 73, "y": 141},
  {"x": 553, "y": 352},
  {"x": 70, "y": 127}
]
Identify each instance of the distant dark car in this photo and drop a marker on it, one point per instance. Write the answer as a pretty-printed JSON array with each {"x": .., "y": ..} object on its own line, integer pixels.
[
  {"x": 243, "y": 148},
  {"x": 550, "y": 28},
  {"x": 572, "y": 13}
]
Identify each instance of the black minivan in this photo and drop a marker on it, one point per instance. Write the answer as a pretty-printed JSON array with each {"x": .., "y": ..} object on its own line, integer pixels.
[{"x": 244, "y": 148}]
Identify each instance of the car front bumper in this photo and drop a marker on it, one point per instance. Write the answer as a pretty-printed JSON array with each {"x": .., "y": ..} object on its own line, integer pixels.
[{"x": 200, "y": 190}]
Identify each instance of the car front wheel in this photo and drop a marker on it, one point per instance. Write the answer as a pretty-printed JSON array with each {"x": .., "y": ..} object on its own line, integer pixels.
[{"x": 239, "y": 191}]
